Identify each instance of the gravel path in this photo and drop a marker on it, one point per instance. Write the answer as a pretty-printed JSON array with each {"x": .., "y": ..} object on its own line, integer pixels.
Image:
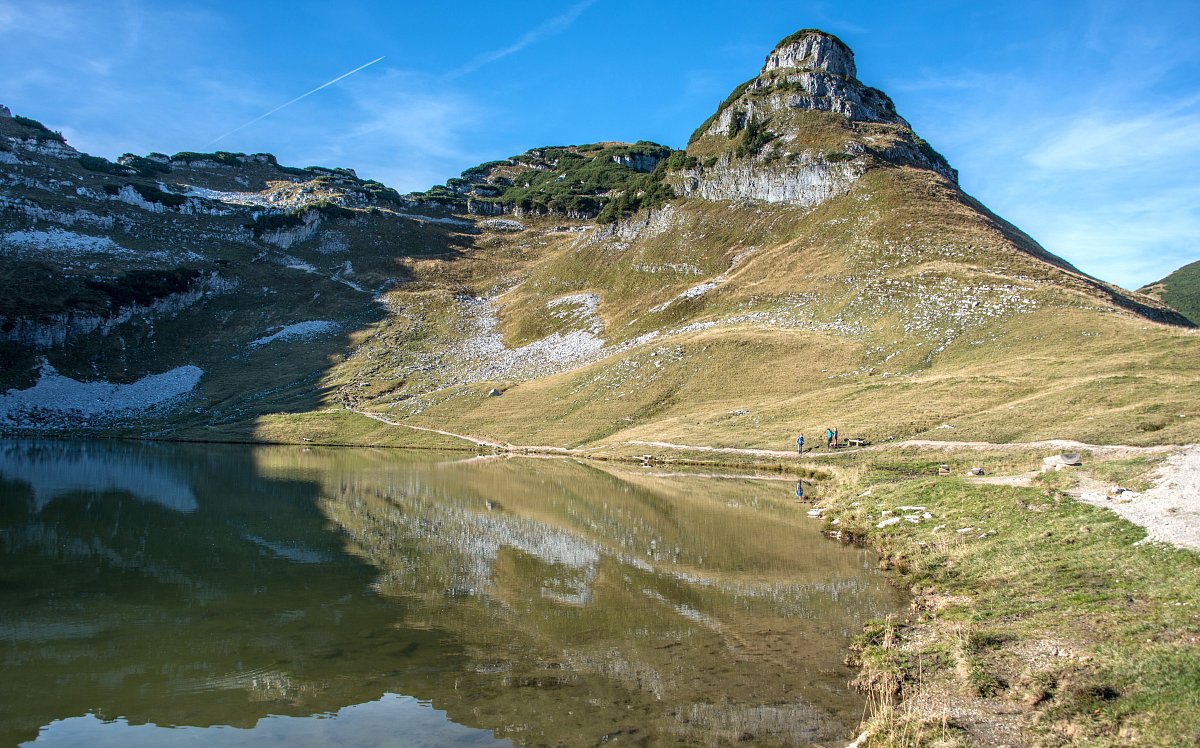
[
  {"x": 1063, "y": 445},
  {"x": 474, "y": 439},
  {"x": 1107, "y": 450},
  {"x": 1170, "y": 511}
]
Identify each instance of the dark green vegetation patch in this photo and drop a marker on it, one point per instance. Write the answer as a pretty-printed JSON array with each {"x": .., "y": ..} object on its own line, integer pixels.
[
  {"x": 601, "y": 180},
  {"x": 1180, "y": 289},
  {"x": 41, "y": 132}
]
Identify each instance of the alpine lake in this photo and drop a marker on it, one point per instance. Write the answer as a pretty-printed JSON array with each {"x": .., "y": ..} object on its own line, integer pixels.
[{"x": 167, "y": 595}]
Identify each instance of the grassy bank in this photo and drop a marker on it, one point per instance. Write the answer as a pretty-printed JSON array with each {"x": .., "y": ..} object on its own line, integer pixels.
[{"x": 1037, "y": 620}]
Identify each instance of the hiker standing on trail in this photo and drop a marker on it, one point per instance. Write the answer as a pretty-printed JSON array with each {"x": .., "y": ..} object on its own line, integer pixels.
[
  {"x": 835, "y": 437},
  {"x": 829, "y": 438},
  {"x": 800, "y": 444}
]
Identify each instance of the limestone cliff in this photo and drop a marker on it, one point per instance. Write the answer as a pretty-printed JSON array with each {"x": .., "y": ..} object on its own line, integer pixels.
[{"x": 802, "y": 131}]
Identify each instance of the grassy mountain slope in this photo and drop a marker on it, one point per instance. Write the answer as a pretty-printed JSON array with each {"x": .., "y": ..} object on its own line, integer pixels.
[
  {"x": 890, "y": 309},
  {"x": 808, "y": 261},
  {"x": 1180, "y": 290}
]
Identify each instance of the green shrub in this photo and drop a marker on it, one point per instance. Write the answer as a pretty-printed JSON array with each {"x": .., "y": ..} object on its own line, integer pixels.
[
  {"x": 142, "y": 287},
  {"x": 155, "y": 195},
  {"x": 102, "y": 165},
  {"x": 380, "y": 192},
  {"x": 754, "y": 137},
  {"x": 728, "y": 102},
  {"x": 149, "y": 194},
  {"x": 798, "y": 35},
  {"x": 221, "y": 157},
  {"x": 41, "y": 132},
  {"x": 265, "y": 222},
  {"x": 144, "y": 167}
]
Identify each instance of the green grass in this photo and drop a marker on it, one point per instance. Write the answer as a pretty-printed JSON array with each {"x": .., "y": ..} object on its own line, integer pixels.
[
  {"x": 328, "y": 428},
  {"x": 1003, "y": 378},
  {"x": 1047, "y": 607},
  {"x": 1180, "y": 289},
  {"x": 582, "y": 181}
]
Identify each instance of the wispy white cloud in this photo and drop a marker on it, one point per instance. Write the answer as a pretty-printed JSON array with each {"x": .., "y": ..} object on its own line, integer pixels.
[
  {"x": 830, "y": 17},
  {"x": 406, "y": 130},
  {"x": 46, "y": 19},
  {"x": 940, "y": 80},
  {"x": 1104, "y": 140},
  {"x": 1094, "y": 155},
  {"x": 546, "y": 29}
]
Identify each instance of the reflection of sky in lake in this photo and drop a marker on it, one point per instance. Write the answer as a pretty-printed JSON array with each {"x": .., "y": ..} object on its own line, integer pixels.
[
  {"x": 409, "y": 722},
  {"x": 57, "y": 469}
]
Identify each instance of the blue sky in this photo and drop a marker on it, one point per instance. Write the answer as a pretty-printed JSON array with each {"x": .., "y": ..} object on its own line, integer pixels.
[{"x": 1077, "y": 121}]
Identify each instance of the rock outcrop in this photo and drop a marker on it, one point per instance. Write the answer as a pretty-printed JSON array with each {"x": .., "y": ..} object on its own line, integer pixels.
[
  {"x": 764, "y": 134},
  {"x": 809, "y": 181}
]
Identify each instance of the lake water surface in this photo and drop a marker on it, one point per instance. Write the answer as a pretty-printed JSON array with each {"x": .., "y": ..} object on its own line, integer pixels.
[{"x": 166, "y": 595}]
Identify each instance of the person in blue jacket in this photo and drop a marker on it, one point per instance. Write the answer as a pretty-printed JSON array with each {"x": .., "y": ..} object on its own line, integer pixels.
[{"x": 800, "y": 444}]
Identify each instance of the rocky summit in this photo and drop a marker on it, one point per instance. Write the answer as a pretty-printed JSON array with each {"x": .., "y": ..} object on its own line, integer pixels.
[{"x": 806, "y": 260}]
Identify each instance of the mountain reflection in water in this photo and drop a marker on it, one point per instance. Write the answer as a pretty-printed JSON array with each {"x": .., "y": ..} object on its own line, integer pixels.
[{"x": 238, "y": 592}]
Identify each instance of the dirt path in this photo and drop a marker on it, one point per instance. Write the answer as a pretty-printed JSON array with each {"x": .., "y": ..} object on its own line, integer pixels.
[
  {"x": 1062, "y": 445},
  {"x": 1022, "y": 480},
  {"x": 1106, "y": 450},
  {"x": 465, "y": 437},
  {"x": 1170, "y": 510}
]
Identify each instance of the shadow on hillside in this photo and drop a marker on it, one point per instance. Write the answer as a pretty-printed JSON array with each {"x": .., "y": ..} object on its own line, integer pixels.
[
  {"x": 296, "y": 376},
  {"x": 266, "y": 323}
]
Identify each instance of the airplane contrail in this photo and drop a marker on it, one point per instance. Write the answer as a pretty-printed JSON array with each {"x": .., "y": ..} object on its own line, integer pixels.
[{"x": 293, "y": 101}]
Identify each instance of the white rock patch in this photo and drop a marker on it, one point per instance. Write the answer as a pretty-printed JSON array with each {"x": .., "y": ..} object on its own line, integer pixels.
[
  {"x": 486, "y": 357},
  {"x": 708, "y": 285},
  {"x": 298, "y": 331},
  {"x": 579, "y": 307},
  {"x": 56, "y": 396},
  {"x": 1170, "y": 511},
  {"x": 502, "y": 224},
  {"x": 691, "y": 293},
  {"x": 58, "y": 241},
  {"x": 232, "y": 198},
  {"x": 131, "y": 196}
]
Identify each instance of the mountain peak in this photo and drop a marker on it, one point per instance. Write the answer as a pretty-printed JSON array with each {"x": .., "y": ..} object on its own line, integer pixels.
[{"x": 812, "y": 49}]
